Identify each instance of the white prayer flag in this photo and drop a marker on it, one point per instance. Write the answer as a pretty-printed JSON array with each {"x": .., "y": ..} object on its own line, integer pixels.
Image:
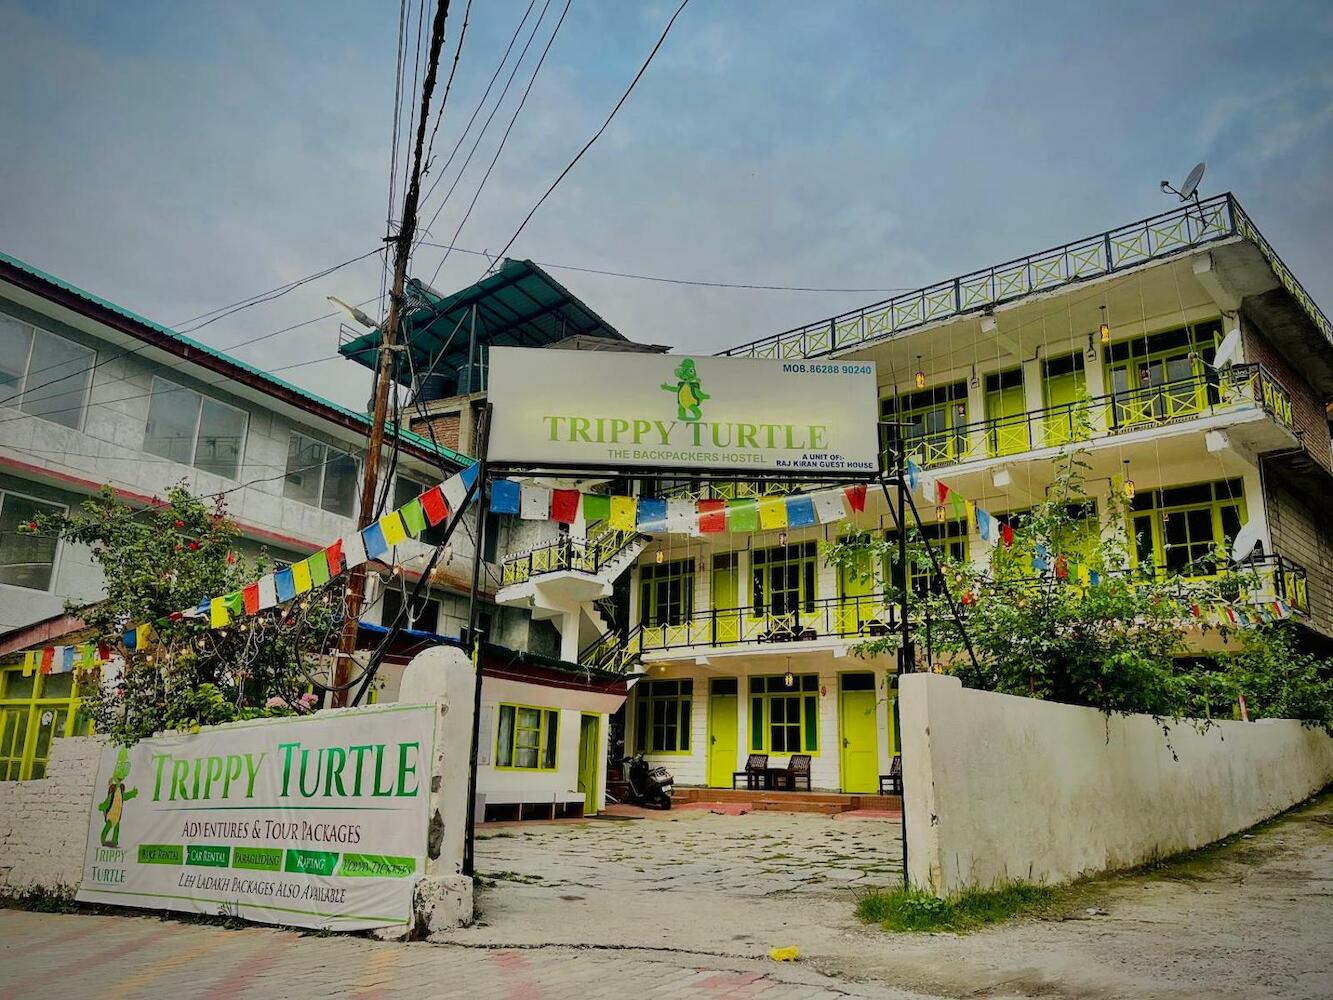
[
  {"x": 455, "y": 492},
  {"x": 829, "y": 506},
  {"x": 534, "y": 503},
  {"x": 268, "y": 593},
  {"x": 354, "y": 549},
  {"x": 681, "y": 517}
]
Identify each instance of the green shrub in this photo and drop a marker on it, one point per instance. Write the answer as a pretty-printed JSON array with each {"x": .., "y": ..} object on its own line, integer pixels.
[{"x": 919, "y": 910}]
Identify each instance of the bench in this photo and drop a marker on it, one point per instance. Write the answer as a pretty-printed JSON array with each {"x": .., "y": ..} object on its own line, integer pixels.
[
  {"x": 892, "y": 783},
  {"x": 529, "y": 805}
]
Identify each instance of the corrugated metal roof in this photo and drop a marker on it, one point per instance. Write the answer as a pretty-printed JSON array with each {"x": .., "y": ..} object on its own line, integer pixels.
[{"x": 319, "y": 402}]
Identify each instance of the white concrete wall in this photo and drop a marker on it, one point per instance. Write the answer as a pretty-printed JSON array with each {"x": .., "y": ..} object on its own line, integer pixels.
[
  {"x": 44, "y": 823},
  {"x": 1000, "y": 788}
]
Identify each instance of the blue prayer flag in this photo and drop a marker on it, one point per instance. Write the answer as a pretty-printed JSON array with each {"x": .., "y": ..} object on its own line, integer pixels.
[
  {"x": 652, "y": 514},
  {"x": 469, "y": 475},
  {"x": 504, "y": 496},
  {"x": 913, "y": 473},
  {"x": 284, "y": 584},
  {"x": 985, "y": 525},
  {"x": 373, "y": 538},
  {"x": 130, "y": 638},
  {"x": 800, "y": 512}
]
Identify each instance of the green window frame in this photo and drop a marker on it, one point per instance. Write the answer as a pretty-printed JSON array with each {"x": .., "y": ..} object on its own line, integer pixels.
[
  {"x": 935, "y": 419},
  {"x": 784, "y": 719},
  {"x": 663, "y": 715},
  {"x": 1177, "y": 529},
  {"x": 666, "y": 593},
  {"x": 1148, "y": 378},
  {"x": 1006, "y": 413},
  {"x": 34, "y": 710},
  {"x": 784, "y": 579},
  {"x": 527, "y": 738},
  {"x": 950, "y": 541}
]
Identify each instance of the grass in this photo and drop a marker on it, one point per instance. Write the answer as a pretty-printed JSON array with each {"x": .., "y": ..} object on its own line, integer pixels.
[{"x": 919, "y": 910}]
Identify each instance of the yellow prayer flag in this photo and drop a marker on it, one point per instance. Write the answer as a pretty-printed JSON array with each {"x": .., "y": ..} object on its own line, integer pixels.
[
  {"x": 392, "y": 526},
  {"x": 971, "y": 512},
  {"x": 143, "y": 634},
  {"x": 31, "y": 661},
  {"x": 1084, "y": 575},
  {"x": 623, "y": 513},
  {"x": 218, "y": 615},
  {"x": 301, "y": 576},
  {"x": 772, "y": 513}
]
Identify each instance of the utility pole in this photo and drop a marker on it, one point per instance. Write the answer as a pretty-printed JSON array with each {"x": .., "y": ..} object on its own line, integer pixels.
[{"x": 356, "y": 580}]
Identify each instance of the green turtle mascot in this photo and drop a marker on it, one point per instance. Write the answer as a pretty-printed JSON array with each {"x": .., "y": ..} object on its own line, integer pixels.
[
  {"x": 113, "y": 806},
  {"x": 689, "y": 393}
]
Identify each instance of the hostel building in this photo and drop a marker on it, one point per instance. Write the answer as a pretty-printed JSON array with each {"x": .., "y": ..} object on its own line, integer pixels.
[{"x": 743, "y": 643}]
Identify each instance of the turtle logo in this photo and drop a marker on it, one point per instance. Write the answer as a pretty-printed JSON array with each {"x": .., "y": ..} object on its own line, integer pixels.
[
  {"x": 688, "y": 392},
  {"x": 112, "y": 807}
]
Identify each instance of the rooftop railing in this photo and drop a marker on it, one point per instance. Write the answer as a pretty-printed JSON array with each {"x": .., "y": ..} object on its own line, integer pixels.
[
  {"x": 566, "y": 554},
  {"x": 1181, "y": 229}
]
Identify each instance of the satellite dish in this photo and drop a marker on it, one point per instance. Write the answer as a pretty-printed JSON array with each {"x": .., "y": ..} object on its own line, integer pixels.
[
  {"x": 1226, "y": 351},
  {"x": 1246, "y": 539},
  {"x": 1192, "y": 182},
  {"x": 1190, "y": 189}
]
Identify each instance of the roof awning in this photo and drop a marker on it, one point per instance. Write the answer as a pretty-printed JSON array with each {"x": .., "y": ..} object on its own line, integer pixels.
[{"x": 519, "y": 305}]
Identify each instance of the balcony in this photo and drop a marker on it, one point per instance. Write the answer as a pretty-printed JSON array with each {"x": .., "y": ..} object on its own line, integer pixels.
[
  {"x": 1240, "y": 387},
  {"x": 568, "y": 555},
  {"x": 841, "y": 618}
]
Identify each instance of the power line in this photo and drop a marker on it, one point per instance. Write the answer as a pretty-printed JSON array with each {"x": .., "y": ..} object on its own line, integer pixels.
[
  {"x": 678, "y": 281},
  {"x": 596, "y": 135},
  {"x": 504, "y": 138},
  {"x": 448, "y": 85}
]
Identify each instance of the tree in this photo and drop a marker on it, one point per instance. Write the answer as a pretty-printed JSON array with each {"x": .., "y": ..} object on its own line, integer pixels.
[
  {"x": 1060, "y": 614},
  {"x": 157, "y": 561}
]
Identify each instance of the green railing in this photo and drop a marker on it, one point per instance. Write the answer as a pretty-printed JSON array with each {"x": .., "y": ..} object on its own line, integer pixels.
[
  {"x": 1115, "y": 413},
  {"x": 567, "y": 555}
]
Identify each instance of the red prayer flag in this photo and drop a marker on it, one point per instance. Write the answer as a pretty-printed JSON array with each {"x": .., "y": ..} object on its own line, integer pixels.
[
  {"x": 1061, "y": 567},
  {"x": 856, "y": 497},
  {"x": 712, "y": 515},
  {"x": 1007, "y": 533},
  {"x": 432, "y": 502},
  {"x": 1196, "y": 611},
  {"x": 103, "y": 651},
  {"x": 941, "y": 493},
  {"x": 334, "y": 555},
  {"x": 251, "y": 596},
  {"x": 48, "y": 654},
  {"x": 564, "y": 506}
]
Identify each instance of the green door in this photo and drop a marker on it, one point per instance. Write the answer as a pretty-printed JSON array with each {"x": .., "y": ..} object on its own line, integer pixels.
[
  {"x": 723, "y": 705},
  {"x": 1006, "y": 414},
  {"x": 726, "y": 598},
  {"x": 590, "y": 732},
  {"x": 860, "y": 740}
]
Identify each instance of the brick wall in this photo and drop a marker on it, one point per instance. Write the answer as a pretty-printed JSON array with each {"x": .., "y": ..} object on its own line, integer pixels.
[
  {"x": 44, "y": 823},
  {"x": 445, "y": 428},
  {"x": 1298, "y": 534},
  {"x": 1307, "y": 406}
]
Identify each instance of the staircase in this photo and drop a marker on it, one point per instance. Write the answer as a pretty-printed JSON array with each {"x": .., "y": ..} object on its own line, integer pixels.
[{"x": 825, "y": 803}]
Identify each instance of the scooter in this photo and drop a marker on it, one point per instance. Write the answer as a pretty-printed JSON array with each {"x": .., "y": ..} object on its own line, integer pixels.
[{"x": 648, "y": 786}]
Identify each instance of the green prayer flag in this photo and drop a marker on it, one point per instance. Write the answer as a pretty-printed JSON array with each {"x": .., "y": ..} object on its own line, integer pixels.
[
  {"x": 414, "y": 519},
  {"x": 742, "y": 515},
  {"x": 596, "y": 507},
  {"x": 957, "y": 499},
  {"x": 235, "y": 602},
  {"x": 319, "y": 568}
]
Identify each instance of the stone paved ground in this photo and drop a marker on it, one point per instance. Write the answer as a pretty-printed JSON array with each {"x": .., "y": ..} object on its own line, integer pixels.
[{"x": 686, "y": 905}]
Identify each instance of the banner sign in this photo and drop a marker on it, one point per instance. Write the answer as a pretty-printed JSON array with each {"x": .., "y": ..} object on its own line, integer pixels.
[
  {"x": 315, "y": 822},
  {"x": 610, "y": 408}
]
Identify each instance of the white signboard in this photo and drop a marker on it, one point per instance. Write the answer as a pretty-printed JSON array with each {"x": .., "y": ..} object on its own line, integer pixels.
[
  {"x": 600, "y": 408},
  {"x": 315, "y": 822}
]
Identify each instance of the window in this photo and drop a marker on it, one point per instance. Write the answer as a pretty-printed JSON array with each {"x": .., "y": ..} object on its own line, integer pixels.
[
  {"x": 42, "y": 374},
  {"x": 663, "y": 716},
  {"x": 320, "y": 475},
  {"x": 527, "y": 738},
  {"x": 423, "y": 616},
  {"x": 784, "y": 579},
  {"x": 935, "y": 419},
  {"x": 405, "y": 490},
  {"x": 1164, "y": 376},
  {"x": 25, "y": 560},
  {"x": 1178, "y": 529},
  {"x": 33, "y": 711},
  {"x": 1006, "y": 413},
  {"x": 191, "y": 429},
  {"x": 666, "y": 593},
  {"x": 784, "y": 719},
  {"x": 950, "y": 543}
]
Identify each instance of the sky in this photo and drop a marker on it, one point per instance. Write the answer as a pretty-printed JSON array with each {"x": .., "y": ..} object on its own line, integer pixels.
[{"x": 175, "y": 158}]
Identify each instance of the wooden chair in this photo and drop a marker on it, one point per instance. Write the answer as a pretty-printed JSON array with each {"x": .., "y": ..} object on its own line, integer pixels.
[
  {"x": 756, "y": 766},
  {"x": 798, "y": 772},
  {"x": 892, "y": 783}
]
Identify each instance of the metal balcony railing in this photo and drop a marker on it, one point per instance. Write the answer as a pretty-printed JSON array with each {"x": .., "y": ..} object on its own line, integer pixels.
[
  {"x": 566, "y": 554},
  {"x": 1181, "y": 229},
  {"x": 1101, "y": 416}
]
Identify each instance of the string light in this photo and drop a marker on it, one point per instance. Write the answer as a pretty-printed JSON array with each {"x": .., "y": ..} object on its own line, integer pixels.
[
  {"x": 1105, "y": 328},
  {"x": 939, "y": 513},
  {"x": 920, "y": 374},
  {"x": 660, "y": 556},
  {"x": 789, "y": 678},
  {"x": 782, "y": 538},
  {"x": 1129, "y": 483}
]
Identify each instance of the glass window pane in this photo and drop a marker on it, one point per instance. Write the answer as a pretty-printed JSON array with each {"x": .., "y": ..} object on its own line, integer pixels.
[
  {"x": 57, "y": 388},
  {"x": 173, "y": 413},
  {"x": 339, "y": 484},
  {"x": 305, "y": 465},
  {"x": 683, "y": 734},
  {"x": 504, "y": 743},
  {"x": 57, "y": 685},
  {"x": 25, "y": 560},
  {"x": 757, "y": 723},
  {"x": 15, "y": 340},
  {"x": 221, "y": 435},
  {"x": 405, "y": 489}
]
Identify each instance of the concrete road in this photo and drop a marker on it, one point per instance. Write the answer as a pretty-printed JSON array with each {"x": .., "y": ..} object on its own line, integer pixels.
[{"x": 687, "y": 906}]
